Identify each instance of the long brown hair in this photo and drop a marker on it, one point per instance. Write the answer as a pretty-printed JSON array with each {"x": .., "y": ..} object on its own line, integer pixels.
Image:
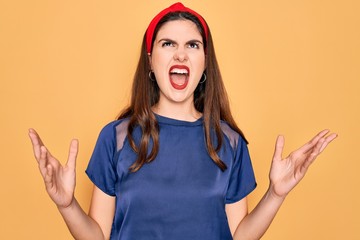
[{"x": 210, "y": 98}]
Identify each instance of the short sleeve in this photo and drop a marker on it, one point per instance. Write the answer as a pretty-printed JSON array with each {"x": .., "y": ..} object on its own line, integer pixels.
[
  {"x": 242, "y": 178},
  {"x": 101, "y": 168}
]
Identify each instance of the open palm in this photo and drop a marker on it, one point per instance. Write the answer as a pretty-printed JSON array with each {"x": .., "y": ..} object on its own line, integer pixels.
[
  {"x": 286, "y": 173},
  {"x": 59, "y": 180}
]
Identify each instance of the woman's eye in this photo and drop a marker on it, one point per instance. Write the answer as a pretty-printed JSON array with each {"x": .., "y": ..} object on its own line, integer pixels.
[
  {"x": 167, "y": 44},
  {"x": 193, "y": 45}
]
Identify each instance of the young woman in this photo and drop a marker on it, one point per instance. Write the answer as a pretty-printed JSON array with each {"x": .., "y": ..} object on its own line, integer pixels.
[{"x": 174, "y": 165}]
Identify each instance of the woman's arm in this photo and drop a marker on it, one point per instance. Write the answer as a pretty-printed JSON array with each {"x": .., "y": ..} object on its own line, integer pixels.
[
  {"x": 60, "y": 185},
  {"x": 96, "y": 225},
  {"x": 285, "y": 174},
  {"x": 250, "y": 226},
  {"x": 255, "y": 224},
  {"x": 235, "y": 212}
]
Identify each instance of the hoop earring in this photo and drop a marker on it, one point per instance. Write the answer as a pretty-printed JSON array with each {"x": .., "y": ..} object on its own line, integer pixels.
[
  {"x": 203, "y": 79},
  {"x": 152, "y": 78}
]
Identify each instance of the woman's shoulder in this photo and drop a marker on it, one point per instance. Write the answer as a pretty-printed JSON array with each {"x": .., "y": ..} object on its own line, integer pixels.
[
  {"x": 113, "y": 134},
  {"x": 233, "y": 136},
  {"x": 115, "y": 128}
]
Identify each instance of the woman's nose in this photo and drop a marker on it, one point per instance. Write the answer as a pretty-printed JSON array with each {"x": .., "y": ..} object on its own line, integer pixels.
[{"x": 180, "y": 54}]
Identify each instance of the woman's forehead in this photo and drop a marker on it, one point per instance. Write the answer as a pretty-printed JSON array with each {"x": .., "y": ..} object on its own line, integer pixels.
[{"x": 179, "y": 29}]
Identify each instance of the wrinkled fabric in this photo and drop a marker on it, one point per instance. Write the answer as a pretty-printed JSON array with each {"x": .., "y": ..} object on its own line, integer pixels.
[{"x": 181, "y": 194}]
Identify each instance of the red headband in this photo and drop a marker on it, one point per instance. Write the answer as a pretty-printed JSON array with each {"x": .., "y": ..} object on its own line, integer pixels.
[{"x": 177, "y": 7}]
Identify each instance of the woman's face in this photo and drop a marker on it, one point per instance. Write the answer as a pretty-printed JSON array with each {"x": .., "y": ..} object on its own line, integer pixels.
[{"x": 178, "y": 61}]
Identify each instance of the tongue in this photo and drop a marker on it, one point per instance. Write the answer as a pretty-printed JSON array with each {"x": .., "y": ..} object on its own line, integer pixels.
[{"x": 178, "y": 79}]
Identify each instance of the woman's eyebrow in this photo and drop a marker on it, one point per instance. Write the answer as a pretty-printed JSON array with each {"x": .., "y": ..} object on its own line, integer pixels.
[
  {"x": 194, "y": 41},
  {"x": 173, "y": 41},
  {"x": 167, "y": 40}
]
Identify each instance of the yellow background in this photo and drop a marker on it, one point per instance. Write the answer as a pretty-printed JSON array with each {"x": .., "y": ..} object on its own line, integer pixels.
[{"x": 290, "y": 67}]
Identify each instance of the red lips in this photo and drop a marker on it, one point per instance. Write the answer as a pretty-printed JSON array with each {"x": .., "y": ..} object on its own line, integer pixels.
[{"x": 179, "y": 76}]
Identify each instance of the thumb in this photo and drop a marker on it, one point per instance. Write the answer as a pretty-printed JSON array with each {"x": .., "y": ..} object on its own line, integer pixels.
[
  {"x": 279, "y": 146},
  {"x": 73, "y": 151}
]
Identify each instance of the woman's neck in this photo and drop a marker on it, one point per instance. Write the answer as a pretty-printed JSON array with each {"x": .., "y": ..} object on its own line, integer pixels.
[{"x": 177, "y": 111}]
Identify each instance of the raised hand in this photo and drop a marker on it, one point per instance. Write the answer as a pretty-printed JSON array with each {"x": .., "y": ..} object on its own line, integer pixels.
[
  {"x": 286, "y": 173},
  {"x": 59, "y": 180}
]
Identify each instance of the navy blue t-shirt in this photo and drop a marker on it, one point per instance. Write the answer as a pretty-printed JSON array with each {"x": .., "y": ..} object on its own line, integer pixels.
[{"x": 181, "y": 195}]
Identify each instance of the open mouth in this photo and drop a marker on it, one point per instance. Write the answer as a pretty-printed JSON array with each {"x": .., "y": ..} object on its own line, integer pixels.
[{"x": 179, "y": 76}]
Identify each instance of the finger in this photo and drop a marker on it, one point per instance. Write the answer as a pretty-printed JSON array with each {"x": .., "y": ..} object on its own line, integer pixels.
[
  {"x": 43, "y": 161},
  {"x": 309, "y": 145},
  {"x": 314, "y": 153},
  {"x": 73, "y": 151},
  {"x": 328, "y": 140},
  {"x": 279, "y": 146},
  {"x": 33, "y": 132},
  {"x": 36, "y": 142},
  {"x": 48, "y": 179}
]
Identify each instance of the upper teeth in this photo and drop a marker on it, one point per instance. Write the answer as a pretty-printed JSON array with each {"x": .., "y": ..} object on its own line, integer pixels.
[{"x": 179, "y": 71}]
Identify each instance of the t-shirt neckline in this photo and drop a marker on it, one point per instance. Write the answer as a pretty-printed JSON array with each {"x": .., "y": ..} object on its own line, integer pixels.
[{"x": 177, "y": 122}]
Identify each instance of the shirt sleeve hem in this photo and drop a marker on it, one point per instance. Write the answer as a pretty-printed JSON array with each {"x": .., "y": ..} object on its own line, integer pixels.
[
  {"x": 238, "y": 198},
  {"x": 100, "y": 186}
]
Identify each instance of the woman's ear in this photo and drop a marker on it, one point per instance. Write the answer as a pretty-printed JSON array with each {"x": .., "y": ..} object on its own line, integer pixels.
[
  {"x": 149, "y": 57},
  {"x": 205, "y": 62}
]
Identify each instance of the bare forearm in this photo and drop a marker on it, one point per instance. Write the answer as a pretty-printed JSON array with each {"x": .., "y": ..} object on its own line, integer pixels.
[
  {"x": 255, "y": 224},
  {"x": 80, "y": 224}
]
